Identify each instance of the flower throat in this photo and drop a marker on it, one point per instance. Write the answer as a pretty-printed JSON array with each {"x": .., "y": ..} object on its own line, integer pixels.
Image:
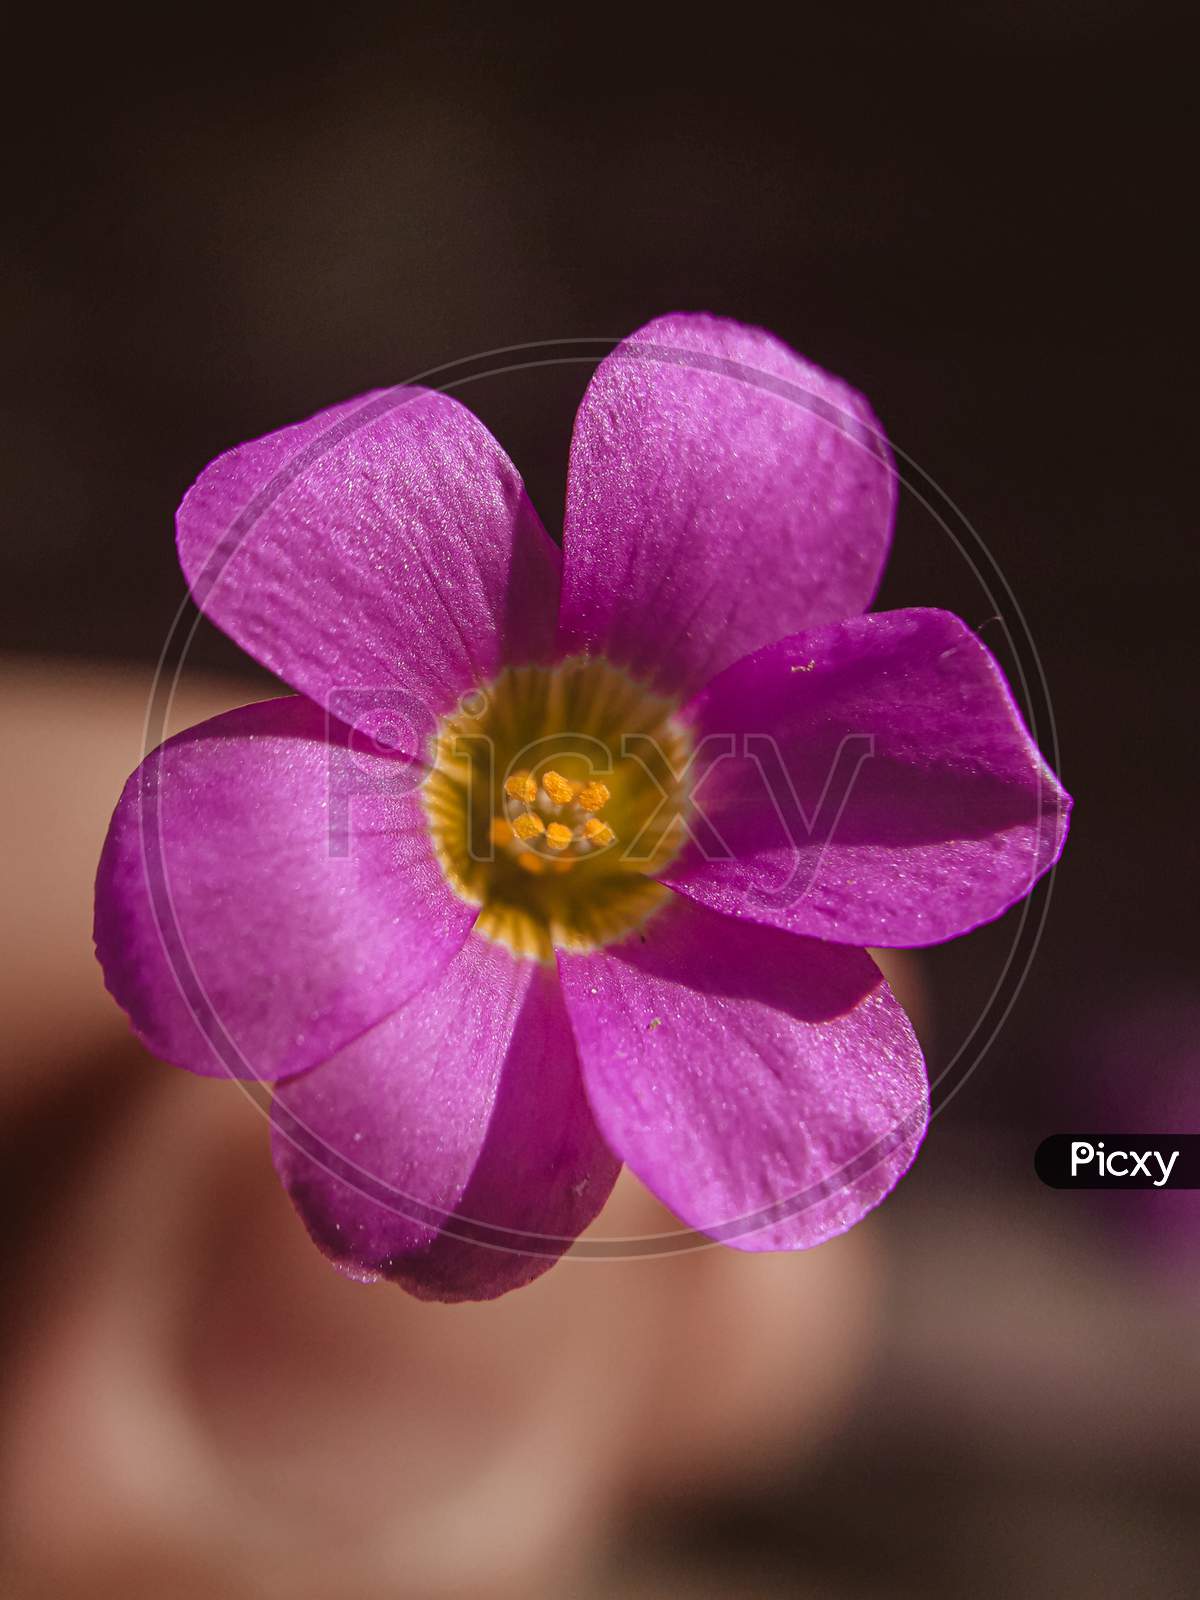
[{"x": 555, "y": 795}]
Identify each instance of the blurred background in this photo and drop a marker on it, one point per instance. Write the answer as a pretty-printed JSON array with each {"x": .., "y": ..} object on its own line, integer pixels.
[{"x": 220, "y": 221}]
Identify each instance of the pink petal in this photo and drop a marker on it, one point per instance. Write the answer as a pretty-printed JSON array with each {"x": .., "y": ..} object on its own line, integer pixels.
[
  {"x": 450, "y": 1149},
  {"x": 386, "y": 543},
  {"x": 768, "y": 1088},
  {"x": 264, "y": 894},
  {"x": 883, "y": 788},
  {"x": 723, "y": 492}
]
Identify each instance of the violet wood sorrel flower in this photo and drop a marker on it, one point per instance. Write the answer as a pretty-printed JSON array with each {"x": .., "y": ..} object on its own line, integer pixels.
[{"x": 600, "y": 891}]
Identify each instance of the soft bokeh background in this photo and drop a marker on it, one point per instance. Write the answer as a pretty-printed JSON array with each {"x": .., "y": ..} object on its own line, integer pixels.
[{"x": 223, "y": 220}]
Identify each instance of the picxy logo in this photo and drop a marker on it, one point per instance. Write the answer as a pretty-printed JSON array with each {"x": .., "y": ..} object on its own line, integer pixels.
[{"x": 1119, "y": 1161}]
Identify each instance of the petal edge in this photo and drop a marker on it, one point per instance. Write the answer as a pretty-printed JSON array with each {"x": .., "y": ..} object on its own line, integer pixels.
[
  {"x": 767, "y": 1088},
  {"x": 722, "y": 492}
]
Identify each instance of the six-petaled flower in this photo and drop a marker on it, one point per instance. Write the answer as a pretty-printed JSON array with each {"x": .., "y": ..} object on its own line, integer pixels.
[{"x": 603, "y": 892}]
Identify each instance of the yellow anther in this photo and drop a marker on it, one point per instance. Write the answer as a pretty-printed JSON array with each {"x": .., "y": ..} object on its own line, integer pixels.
[
  {"x": 594, "y": 796},
  {"x": 557, "y": 787},
  {"x": 521, "y": 787},
  {"x": 532, "y": 801}
]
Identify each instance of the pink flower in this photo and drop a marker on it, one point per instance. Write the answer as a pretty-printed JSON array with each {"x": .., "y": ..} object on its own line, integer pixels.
[{"x": 598, "y": 889}]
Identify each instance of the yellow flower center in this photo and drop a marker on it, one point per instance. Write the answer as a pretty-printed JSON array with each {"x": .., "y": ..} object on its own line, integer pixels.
[{"x": 555, "y": 795}]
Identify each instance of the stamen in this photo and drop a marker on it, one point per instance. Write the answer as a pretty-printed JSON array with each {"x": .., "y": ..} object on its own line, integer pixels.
[
  {"x": 548, "y": 878},
  {"x": 557, "y": 787},
  {"x": 521, "y": 787},
  {"x": 593, "y": 796}
]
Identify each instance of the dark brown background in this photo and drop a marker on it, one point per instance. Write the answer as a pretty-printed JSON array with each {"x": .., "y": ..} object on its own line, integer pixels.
[{"x": 975, "y": 213}]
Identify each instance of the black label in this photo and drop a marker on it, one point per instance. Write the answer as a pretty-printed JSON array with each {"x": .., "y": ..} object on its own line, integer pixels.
[{"x": 1119, "y": 1161}]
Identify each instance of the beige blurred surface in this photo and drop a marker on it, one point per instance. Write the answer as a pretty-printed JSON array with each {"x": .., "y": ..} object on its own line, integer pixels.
[
  {"x": 978, "y": 1391},
  {"x": 74, "y": 732},
  {"x": 195, "y": 1403}
]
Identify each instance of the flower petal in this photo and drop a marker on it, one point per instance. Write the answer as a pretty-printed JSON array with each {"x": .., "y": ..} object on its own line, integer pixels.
[
  {"x": 722, "y": 492},
  {"x": 266, "y": 893},
  {"x": 386, "y": 543},
  {"x": 451, "y": 1149},
  {"x": 882, "y": 788},
  {"x": 768, "y": 1088}
]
